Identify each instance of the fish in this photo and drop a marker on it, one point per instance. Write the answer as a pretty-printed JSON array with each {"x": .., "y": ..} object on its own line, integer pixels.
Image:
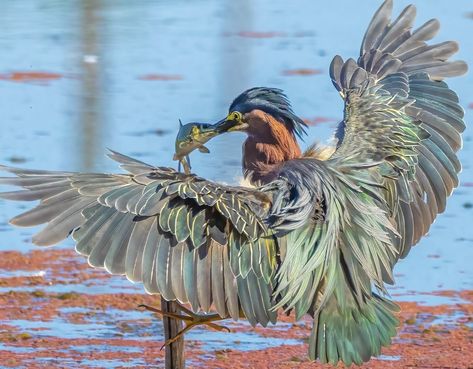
[{"x": 193, "y": 136}]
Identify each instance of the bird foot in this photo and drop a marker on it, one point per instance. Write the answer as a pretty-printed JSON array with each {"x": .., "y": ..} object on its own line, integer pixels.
[{"x": 190, "y": 319}]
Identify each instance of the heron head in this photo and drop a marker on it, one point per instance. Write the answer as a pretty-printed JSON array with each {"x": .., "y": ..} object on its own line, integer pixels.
[{"x": 254, "y": 110}]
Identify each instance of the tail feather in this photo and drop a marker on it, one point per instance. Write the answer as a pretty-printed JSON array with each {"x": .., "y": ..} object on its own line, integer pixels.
[{"x": 352, "y": 334}]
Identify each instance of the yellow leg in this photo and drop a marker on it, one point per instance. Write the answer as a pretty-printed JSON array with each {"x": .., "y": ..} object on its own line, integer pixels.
[{"x": 191, "y": 320}]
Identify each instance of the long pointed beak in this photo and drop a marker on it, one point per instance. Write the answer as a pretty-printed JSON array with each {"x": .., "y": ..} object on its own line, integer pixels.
[
  {"x": 224, "y": 125},
  {"x": 221, "y": 126}
]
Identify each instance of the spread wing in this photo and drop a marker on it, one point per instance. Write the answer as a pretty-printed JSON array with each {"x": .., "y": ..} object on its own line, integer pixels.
[
  {"x": 398, "y": 110},
  {"x": 182, "y": 236},
  {"x": 348, "y": 219}
]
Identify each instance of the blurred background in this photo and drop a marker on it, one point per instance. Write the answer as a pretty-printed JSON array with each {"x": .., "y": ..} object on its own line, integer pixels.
[{"x": 77, "y": 77}]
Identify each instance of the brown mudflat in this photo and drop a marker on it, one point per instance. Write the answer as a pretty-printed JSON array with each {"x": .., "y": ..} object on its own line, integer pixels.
[{"x": 57, "y": 312}]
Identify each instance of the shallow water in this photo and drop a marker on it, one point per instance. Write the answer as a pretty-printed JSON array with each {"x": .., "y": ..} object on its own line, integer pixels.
[{"x": 79, "y": 76}]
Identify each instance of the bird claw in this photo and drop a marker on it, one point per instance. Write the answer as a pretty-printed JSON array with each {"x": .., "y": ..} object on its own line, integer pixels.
[{"x": 191, "y": 320}]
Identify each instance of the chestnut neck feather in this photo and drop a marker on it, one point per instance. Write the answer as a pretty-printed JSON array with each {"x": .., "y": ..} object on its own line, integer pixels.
[{"x": 269, "y": 144}]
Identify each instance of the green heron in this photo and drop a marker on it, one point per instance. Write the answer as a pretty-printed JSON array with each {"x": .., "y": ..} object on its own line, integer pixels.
[{"x": 317, "y": 234}]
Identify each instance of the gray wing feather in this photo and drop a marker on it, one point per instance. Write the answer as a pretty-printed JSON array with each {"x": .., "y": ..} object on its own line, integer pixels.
[
  {"x": 204, "y": 282},
  {"x": 177, "y": 272},
  {"x": 190, "y": 277},
  {"x": 115, "y": 260},
  {"x": 401, "y": 65},
  {"x": 87, "y": 235},
  {"x": 164, "y": 260},
  {"x": 151, "y": 260},
  {"x": 231, "y": 288},
  {"x": 376, "y": 27},
  {"x": 246, "y": 302},
  {"x": 218, "y": 286},
  {"x": 47, "y": 210},
  {"x": 61, "y": 226},
  {"x": 103, "y": 239},
  {"x": 155, "y": 226},
  {"x": 134, "y": 252}
]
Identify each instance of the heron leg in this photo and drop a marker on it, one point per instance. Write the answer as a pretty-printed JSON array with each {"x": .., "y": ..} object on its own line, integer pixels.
[{"x": 190, "y": 319}]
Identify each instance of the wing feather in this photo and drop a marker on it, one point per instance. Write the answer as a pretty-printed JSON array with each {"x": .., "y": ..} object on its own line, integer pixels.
[
  {"x": 190, "y": 277},
  {"x": 166, "y": 229},
  {"x": 218, "y": 286},
  {"x": 151, "y": 261},
  {"x": 102, "y": 241},
  {"x": 134, "y": 252},
  {"x": 404, "y": 116},
  {"x": 177, "y": 272},
  {"x": 116, "y": 257},
  {"x": 389, "y": 177},
  {"x": 204, "y": 281}
]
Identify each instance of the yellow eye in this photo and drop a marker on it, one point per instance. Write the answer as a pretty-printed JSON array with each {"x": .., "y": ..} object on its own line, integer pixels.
[{"x": 235, "y": 115}]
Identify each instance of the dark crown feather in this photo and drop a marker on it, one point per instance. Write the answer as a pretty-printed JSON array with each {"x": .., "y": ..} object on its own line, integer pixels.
[{"x": 272, "y": 101}]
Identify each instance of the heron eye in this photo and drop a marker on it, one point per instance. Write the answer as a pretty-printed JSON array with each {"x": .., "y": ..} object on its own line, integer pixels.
[{"x": 235, "y": 115}]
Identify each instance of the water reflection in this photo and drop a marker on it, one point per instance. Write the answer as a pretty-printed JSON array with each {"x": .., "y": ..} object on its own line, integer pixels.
[
  {"x": 236, "y": 52},
  {"x": 91, "y": 119}
]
